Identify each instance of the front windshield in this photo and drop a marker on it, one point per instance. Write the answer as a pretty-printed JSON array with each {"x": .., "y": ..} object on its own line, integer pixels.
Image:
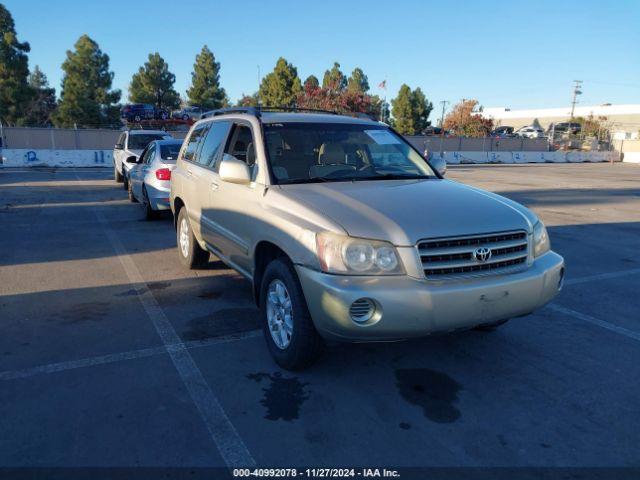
[
  {"x": 140, "y": 141},
  {"x": 334, "y": 152}
]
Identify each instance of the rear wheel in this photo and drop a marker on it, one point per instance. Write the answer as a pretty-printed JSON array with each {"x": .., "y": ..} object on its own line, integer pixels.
[
  {"x": 291, "y": 337},
  {"x": 190, "y": 253},
  {"x": 125, "y": 181},
  {"x": 132, "y": 198},
  {"x": 149, "y": 212},
  {"x": 137, "y": 118},
  {"x": 117, "y": 176}
]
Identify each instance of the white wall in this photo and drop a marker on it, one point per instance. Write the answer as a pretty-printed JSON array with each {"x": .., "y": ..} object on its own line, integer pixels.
[
  {"x": 528, "y": 157},
  {"x": 22, "y": 157}
]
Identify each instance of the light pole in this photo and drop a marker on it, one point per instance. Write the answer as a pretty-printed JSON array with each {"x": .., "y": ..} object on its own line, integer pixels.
[
  {"x": 576, "y": 91},
  {"x": 444, "y": 106}
]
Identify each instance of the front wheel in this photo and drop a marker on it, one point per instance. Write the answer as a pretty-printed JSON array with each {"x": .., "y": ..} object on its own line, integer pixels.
[
  {"x": 190, "y": 253},
  {"x": 291, "y": 337}
]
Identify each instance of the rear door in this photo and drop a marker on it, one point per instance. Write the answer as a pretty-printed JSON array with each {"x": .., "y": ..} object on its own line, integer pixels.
[
  {"x": 212, "y": 147},
  {"x": 192, "y": 174}
]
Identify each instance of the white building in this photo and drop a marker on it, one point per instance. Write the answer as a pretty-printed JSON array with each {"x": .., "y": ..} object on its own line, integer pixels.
[{"x": 624, "y": 120}]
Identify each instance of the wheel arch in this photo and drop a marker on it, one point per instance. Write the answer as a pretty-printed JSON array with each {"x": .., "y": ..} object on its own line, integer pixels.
[{"x": 264, "y": 253}]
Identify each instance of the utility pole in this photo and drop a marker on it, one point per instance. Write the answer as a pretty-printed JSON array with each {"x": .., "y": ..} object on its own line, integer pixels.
[
  {"x": 577, "y": 85},
  {"x": 444, "y": 106}
]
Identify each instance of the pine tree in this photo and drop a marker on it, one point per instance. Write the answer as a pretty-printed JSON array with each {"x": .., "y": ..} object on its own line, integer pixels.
[
  {"x": 86, "y": 98},
  {"x": 205, "y": 88},
  {"x": 281, "y": 87},
  {"x": 311, "y": 82},
  {"x": 403, "y": 111},
  {"x": 154, "y": 84},
  {"x": 358, "y": 82},
  {"x": 43, "y": 100},
  {"x": 14, "y": 70},
  {"x": 421, "y": 110},
  {"x": 334, "y": 79}
]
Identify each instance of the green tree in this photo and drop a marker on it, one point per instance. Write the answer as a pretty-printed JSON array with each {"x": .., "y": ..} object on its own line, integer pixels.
[
  {"x": 311, "y": 82},
  {"x": 154, "y": 84},
  {"x": 205, "y": 90},
  {"x": 86, "y": 98},
  {"x": 358, "y": 82},
  {"x": 281, "y": 87},
  {"x": 421, "y": 110},
  {"x": 43, "y": 100},
  {"x": 403, "y": 111},
  {"x": 334, "y": 79},
  {"x": 14, "y": 70}
]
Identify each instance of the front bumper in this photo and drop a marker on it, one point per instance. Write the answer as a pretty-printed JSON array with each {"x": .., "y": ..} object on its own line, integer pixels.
[{"x": 408, "y": 307}]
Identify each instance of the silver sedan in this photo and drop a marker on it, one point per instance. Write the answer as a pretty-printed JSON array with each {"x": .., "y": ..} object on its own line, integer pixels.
[{"x": 150, "y": 176}]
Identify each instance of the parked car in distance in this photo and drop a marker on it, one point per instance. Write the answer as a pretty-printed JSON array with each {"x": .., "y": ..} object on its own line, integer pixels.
[
  {"x": 188, "y": 113},
  {"x": 432, "y": 131},
  {"x": 529, "y": 131},
  {"x": 150, "y": 176},
  {"x": 565, "y": 127},
  {"x": 347, "y": 233},
  {"x": 132, "y": 143},
  {"x": 138, "y": 112},
  {"x": 502, "y": 131}
]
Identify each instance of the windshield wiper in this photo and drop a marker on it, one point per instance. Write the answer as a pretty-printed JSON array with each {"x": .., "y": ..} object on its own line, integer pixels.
[
  {"x": 392, "y": 176},
  {"x": 305, "y": 180}
]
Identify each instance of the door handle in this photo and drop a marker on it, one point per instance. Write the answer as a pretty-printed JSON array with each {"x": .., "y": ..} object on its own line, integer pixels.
[
  {"x": 214, "y": 186},
  {"x": 189, "y": 171}
]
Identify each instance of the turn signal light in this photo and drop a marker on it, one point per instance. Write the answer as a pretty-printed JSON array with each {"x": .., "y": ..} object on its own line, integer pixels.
[{"x": 163, "y": 174}]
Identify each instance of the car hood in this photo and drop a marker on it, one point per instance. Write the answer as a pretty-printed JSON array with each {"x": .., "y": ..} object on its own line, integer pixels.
[{"x": 405, "y": 211}]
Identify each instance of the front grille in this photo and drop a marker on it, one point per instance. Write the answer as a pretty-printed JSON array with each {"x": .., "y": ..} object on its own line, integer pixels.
[{"x": 453, "y": 257}]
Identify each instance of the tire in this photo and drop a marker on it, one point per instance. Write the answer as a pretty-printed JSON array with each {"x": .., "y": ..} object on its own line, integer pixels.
[
  {"x": 304, "y": 345},
  {"x": 190, "y": 253},
  {"x": 137, "y": 119},
  {"x": 132, "y": 198},
  {"x": 149, "y": 212},
  {"x": 185, "y": 117},
  {"x": 125, "y": 182},
  {"x": 117, "y": 176},
  {"x": 490, "y": 327},
  {"x": 164, "y": 115}
]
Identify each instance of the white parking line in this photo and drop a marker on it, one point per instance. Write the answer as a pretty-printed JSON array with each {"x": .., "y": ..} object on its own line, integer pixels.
[
  {"x": 230, "y": 445},
  {"x": 602, "y": 276},
  {"x": 595, "y": 321},
  {"x": 120, "y": 357}
]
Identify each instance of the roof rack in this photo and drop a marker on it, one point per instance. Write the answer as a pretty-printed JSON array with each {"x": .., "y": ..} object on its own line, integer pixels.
[{"x": 257, "y": 111}]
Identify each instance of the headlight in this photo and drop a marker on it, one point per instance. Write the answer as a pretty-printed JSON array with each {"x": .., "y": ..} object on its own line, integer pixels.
[
  {"x": 358, "y": 256},
  {"x": 541, "y": 244}
]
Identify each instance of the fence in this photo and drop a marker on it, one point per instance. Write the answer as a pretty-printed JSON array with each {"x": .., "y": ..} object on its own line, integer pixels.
[
  {"x": 486, "y": 144},
  {"x": 62, "y": 138}
]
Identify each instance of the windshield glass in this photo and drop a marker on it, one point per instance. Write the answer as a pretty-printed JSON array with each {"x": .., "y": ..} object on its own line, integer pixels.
[
  {"x": 138, "y": 142},
  {"x": 169, "y": 152},
  {"x": 333, "y": 152}
]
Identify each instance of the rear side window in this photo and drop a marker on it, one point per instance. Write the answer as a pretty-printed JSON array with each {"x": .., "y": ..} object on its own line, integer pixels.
[
  {"x": 169, "y": 153},
  {"x": 140, "y": 141},
  {"x": 191, "y": 149},
  {"x": 213, "y": 143}
]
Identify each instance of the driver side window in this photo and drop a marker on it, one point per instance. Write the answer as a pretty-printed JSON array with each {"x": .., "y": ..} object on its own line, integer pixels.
[{"x": 148, "y": 156}]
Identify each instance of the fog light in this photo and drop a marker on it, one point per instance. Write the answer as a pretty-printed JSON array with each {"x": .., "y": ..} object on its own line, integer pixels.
[{"x": 362, "y": 310}]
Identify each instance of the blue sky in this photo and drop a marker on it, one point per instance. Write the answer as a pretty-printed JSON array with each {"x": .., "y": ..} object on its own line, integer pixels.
[{"x": 504, "y": 53}]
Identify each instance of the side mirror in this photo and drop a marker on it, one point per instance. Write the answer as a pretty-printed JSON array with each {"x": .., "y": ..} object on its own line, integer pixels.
[
  {"x": 439, "y": 163},
  {"x": 118, "y": 146},
  {"x": 132, "y": 159},
  {"x": 233, "y": 170}
]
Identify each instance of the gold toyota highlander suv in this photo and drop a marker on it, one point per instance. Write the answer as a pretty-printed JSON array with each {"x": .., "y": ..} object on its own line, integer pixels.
[{"x": 347, "y": 233}]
